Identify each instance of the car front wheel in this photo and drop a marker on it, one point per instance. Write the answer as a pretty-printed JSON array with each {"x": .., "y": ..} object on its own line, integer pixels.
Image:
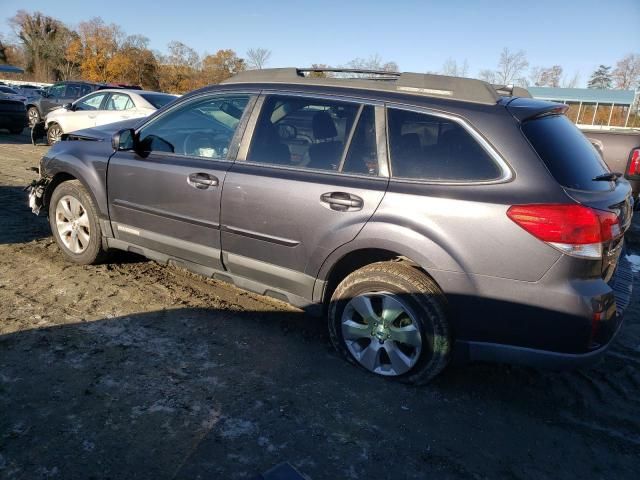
[
  {"x": 389, "y": 318},
  {"x": 54, "y": 133},
  {"x": 34, "y": 116},
  {"x": 74, "y": 223}
]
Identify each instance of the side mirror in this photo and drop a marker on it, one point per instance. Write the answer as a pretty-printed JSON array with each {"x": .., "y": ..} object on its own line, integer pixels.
[
  {"x": 123, "y": 140},
  {"x": 68, "y": 106}
]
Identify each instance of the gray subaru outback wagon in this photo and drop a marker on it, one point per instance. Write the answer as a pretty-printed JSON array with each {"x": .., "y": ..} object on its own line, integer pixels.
[{"x": 428, "y": 217}]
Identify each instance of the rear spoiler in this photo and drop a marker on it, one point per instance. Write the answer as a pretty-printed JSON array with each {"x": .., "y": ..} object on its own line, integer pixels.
[{"x": 524, "y": 109}]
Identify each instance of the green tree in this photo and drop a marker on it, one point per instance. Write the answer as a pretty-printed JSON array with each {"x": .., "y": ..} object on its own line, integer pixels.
[{"x": 601, "y": 78}]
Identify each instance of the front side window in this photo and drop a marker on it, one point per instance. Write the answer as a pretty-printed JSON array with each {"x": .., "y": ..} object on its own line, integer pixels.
[
  {"x": 119, "y": 101},
  {"x": 203, "y": 128},
  {"x": 428, "y": 147},
  {"x": 56, "y": 91},
  {"x": 73, "y": 91},
  {"x": 85, "y": 90},
  {"x": 92, "y": 102},
  {"x": 306, "y": 132}
]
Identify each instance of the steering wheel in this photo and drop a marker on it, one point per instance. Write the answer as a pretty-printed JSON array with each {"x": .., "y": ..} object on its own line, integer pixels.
[{"x": 203, "y": 144}]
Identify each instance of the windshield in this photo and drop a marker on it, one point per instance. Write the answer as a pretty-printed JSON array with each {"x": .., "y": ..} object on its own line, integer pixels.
[
  {"x": 7, "y": 90},
  {"x": 158, "y": 100},
  {"x": 567, "y": 153}
]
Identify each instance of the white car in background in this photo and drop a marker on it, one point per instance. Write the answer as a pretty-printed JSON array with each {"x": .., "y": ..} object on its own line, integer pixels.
[{"x": 102, "y": 107}]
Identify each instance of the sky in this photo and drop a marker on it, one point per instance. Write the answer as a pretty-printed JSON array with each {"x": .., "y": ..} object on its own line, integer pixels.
[{"x": 419, "y": 36}]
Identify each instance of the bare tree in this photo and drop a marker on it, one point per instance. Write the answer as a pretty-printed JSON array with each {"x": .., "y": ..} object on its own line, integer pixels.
[
  {"x": 511, "y": 67},
  {"x": 546, "y": 76},
  {"x": 626, "y": 76},
  {"x": 257, "y": 58},
  {"x": 488, "y": 76},
  {"x": 452, "y": 69},
  {"x": 572, "y": 82}
]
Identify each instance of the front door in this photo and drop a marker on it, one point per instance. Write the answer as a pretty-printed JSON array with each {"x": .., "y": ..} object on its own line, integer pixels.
[
  {"x": 309, "y": 183},
  {"x": 165, "y": 195}
]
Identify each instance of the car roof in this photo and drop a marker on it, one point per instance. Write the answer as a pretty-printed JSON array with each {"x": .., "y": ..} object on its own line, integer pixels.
[{"x": 423, "y": 85}]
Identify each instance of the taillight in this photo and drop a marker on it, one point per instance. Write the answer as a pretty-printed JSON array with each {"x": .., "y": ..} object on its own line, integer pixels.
[
  {"x": 634, "y": 163},
  {"x": 573, "y": 229}
]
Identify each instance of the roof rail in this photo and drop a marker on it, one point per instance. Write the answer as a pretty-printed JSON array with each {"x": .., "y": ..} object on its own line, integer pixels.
[
  {"x": 426, "y": 85},
  {"x": 512, "y": 91},
  {"x": 359, "y": 71}
]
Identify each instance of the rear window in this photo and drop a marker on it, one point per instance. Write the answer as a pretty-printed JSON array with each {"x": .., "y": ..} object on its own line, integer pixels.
[
  {"x": 567, "y": 153},
  {"x": 158, "y": 100}
]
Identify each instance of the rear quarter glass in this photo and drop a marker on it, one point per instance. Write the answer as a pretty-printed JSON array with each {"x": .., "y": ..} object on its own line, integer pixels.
[{"x": 568, "y": 154}]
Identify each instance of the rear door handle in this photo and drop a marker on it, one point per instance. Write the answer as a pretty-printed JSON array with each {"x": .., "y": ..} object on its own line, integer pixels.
[
  {"x": 202, "y": 181},
  {"x": 342, "y": 201}
]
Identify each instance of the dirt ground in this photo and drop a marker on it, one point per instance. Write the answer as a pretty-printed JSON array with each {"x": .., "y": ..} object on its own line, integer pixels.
[{"x": 132, "y": 370}]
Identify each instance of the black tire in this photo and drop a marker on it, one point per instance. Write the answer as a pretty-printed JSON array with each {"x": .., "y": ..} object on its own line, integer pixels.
[
  {"x": 33, "y": 114},
  {"x": 415, "y": 290},
  {"x": 53, "y": 133},
  {"x": 93, "y": 252}
]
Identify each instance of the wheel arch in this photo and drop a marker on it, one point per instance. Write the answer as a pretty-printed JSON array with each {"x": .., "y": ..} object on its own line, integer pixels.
[
  {"x": 66, "y": 176},
  {"x": 356, "y": 259}
]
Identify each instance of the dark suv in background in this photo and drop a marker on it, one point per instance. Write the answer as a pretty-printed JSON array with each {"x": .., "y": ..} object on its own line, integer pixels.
[
  {"x": 60, "y": 94},
  {"x": 427, "y": 217}
]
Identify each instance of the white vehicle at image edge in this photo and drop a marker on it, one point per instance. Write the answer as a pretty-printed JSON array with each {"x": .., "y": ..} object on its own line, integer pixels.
[{"x": 102, "y": 107}]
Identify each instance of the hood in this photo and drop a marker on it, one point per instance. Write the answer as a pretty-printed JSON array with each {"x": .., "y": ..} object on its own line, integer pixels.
[{"x": 103, "y": 132}]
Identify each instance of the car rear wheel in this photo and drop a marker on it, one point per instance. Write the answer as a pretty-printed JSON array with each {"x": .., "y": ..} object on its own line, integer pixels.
[
  {"x": 33, "y": 115},
  {"x": 74, "y": 223},
  {"x": 54, "y": 133},
  {"x": 389, "y": 318}
]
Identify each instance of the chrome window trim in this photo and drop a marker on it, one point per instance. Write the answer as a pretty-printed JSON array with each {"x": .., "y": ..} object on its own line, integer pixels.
[{"x": 507, "y": 173}]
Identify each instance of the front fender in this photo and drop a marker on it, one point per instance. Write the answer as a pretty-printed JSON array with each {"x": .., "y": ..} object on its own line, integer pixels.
[{"x": 85, "y": 161}]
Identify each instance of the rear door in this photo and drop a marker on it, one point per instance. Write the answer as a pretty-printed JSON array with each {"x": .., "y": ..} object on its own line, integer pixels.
[
  {"x": 305, "y": 182},
  {"x": 165, "y": 196},
  {"x": 118, "y": 106}
]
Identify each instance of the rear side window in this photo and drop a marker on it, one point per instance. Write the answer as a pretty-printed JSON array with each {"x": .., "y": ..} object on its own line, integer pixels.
[
  {"x": 428, "y": 147},
  {"x": 567, "y": 153},
  {"x": 304, "y": 132}
]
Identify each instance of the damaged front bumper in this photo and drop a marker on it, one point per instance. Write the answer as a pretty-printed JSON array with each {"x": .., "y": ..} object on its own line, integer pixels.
[{"x": 36, "y": 194}]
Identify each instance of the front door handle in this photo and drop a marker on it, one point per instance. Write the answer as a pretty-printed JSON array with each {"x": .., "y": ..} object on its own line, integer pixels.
[
  {"x": 342, "y": 201},
  {"x": 202, "y": 181}
]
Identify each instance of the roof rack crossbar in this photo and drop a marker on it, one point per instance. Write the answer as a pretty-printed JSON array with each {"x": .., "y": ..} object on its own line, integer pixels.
[{"x": 351, "y": 70}]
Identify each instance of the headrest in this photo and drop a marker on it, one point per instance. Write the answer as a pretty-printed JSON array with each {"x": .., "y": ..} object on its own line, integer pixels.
[{"x": 323, "y": 126}]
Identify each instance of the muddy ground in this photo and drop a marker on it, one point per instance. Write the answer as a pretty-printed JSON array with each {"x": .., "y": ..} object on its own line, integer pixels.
[{"x": 133, "y": 370}]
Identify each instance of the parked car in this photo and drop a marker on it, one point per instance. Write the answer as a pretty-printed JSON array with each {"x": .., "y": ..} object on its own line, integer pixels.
[
  {"x": 102, "y": 107},
  {"x": 619, "y": 148},
  {"x": 57, "y": 95},
  {"x": 13, "y": 115},
  {"x": 428, "y": 217},
  {"x": 11, "y": 94}
]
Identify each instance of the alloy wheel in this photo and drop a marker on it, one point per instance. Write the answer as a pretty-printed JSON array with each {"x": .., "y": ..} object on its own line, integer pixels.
[
  {"x": 381, "y": 333},
  {"x": 72, "y": 222}
]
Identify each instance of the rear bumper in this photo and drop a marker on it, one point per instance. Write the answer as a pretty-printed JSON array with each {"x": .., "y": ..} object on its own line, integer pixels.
[
  {"x": 552, "y": 337},
  {"x": 466, "y": 351}
]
